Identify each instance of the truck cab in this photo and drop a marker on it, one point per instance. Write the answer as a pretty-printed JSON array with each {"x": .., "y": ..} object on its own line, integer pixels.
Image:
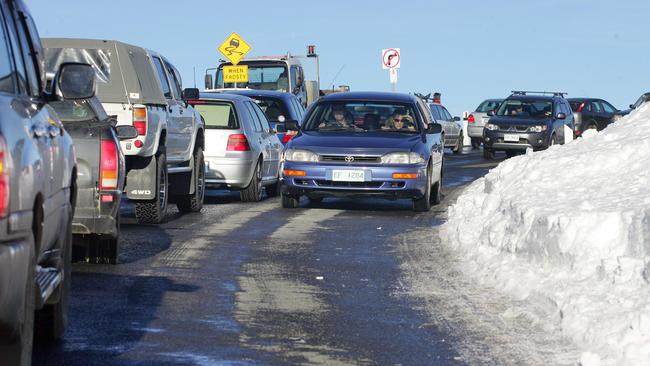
[{"x": 279, "y": 73}]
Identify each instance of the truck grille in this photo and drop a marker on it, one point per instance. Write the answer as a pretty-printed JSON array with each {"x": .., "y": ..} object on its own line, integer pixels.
[{"x": 350, "y": 159}]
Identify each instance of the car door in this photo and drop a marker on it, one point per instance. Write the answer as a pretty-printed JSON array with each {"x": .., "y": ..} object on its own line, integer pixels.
[
  {"x": 453, "y": 126},
  {"x": 185, "y": 117},
  {"x": 256, "y": 139},
  {"x": 174, "y": 123},
  {"x": 598, "y": 115},
  {"x": 272, "y": 144},
  {"x": 609, "y": 111}
]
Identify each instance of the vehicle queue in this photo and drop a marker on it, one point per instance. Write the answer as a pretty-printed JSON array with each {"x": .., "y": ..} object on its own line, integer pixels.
[{"x": 140, "y": 136}]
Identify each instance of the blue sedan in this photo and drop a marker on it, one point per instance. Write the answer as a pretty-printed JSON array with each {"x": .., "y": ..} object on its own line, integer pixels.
[{"x": 365, "y": 144}]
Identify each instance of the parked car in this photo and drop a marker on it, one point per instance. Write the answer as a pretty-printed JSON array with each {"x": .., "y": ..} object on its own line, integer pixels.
[
  {"x": 477, "y": 120},
  {"x": 141, "y": 88},
  {"x": 591, "y": 113},
  {"x": 642, "y": 99},
  {"x": 37, "y": 188},
  {"x": 451, "y": 127},
  {"x": 278, "y": 107},
  {"x": 526, "y": 120},
  {"x": 100, "y": 178},
  {"x": 242, "y": 150},
  {"x": 396, "y": 153}
]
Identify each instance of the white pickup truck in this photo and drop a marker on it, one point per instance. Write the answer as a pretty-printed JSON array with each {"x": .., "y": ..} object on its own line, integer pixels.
[{"x": 141, "y": 88}]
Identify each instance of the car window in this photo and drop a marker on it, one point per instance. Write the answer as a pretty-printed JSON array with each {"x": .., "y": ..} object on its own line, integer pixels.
[
  {"x": 218, "y": 115},
  {"x": 262, "y": 118},
  {"x": 175, "y": 81},
  {"x": 74, "y": 110},
  {"x": 435, "y": 112},
  {"x": 595, "y": 107},
  {"x": 446, "y": 114},
  {"x": 488, "y": 105},
  {"x": 20, "y": 72},
  {"x": 32, "y": 71},
  {"x": 608, "y": 108},
  {"x": 163, "y": 79},
  {"x": 273, "y": 108},
  {"x": 257, "y": 126},
  {"x": 7, "y": 82}
]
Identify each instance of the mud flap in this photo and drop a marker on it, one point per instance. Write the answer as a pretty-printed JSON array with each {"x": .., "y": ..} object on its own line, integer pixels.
[
  {"x": 183, "y": 183},
  {"x": 141, "y": 179}
]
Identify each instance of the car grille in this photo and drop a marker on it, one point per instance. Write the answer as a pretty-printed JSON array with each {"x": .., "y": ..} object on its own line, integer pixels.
[
  {"x": 345, "y": 158},
  {"x": 513, "y": 128}
]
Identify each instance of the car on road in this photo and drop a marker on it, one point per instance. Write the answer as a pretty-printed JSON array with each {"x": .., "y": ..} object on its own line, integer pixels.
[
  {"x": 396, "y": 153},
  {"x": 528, "y": 120},
  {"x": 38, "y": 174},
  {"x": 452, "y": 129},
  {"x": 591, "y": 114},
  {"x": 642, "y": 99},
  {"x": 477, "y": 120},
  {"x": 242, "y": 151},
  {"x": 278, "y": 107},
  {"x": 141, "y": 88}
]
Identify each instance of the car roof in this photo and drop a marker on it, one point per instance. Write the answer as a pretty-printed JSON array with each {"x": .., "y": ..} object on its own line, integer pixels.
[
  {"x": 533, "y": 97},
  {"x": 369, "y": 96},
  {"x": 231, "y": 97},
  {"x": 259, "y": 93},
  {"x": 582, "y": 99}
]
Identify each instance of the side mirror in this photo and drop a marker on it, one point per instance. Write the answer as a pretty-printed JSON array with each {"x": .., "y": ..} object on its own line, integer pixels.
[
  {"x": 560, "y": 116},
  {"x": 631, "y": 106},
  {"x": 75, "y": 81},
  {"x": 490, "y": 112},
  {"x": 208, "y": 82},
  {"x": 457, "y": 119},
  {"x": 190, "y": 93},
  {"x": 126, "y": 132},
  {"x": 434, "y": 128}
]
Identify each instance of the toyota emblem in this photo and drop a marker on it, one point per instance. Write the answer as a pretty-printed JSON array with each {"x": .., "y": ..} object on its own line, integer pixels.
[{"x": 349, "y": 159}]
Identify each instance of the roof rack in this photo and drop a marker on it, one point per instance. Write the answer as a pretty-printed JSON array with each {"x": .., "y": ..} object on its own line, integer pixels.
[{"x": 526, "y": 92}]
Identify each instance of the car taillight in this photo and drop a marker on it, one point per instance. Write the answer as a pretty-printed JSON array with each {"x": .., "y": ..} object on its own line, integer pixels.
[
  {"x": 471, "y": 119},
  {"x": 4, "y": 178},
  {"x": 288, "y": 136},
  {"x": 238, "y": 142},
  {"x": 582, "y": 105},
  {"x": 108, "y": 165},
  {"x": 140, "y": 120}
]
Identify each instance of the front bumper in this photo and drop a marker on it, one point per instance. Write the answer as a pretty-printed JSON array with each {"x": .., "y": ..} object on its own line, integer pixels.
[
  {"x": 494, "y": 140},
  {"x": 229, "y": 172},
  {"x": 96, "y": 212},
  {"x": 318, "y": 181}
]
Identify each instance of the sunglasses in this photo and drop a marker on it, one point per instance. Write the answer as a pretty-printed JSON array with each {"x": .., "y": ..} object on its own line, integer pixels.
[{"x": 397, "y": 120}]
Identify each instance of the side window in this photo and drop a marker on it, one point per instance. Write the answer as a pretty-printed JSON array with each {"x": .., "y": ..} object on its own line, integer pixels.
[
  {"x": 608, "y": 108},
  {"x": 294, "y": 77},
  {"x": 426, "y": 114},
  {"x": 447, "y": 115},
  {"x": 298, "y": 108},
  {"x": 260, "y": 115},
  {"x": 164, "y": 84},
  {"x": 7, "y": 82},
  {"x": 175, "y": 81},
  {"x": 29, "y": 55},
  {"x": 434, "y": 112},
  {"x": 596, "y": 107},
  {"x": 254, "y": 119}
]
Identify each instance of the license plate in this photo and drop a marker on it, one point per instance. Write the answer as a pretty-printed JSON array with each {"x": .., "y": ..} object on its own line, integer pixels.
[
  {"x": 348, "y": 175},
  {"x": 511, "y": 138}
]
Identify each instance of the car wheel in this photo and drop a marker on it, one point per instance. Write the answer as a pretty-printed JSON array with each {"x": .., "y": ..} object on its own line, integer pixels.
[
  {"x": 289, "y": 201},
  {"x": 154, "y": 211},
  {"x": 423, "y": 204},
  {"x": 53, "y": 318},
  {"x": 476, "y": 143},
  {"x": 592, "y": 126},
  {"x": 194, "y": 202},
  {"x": 19, "y": 352},
  {"x": 488, "y": 153},
  {"x": 80, "y": 245},
  {"x": 459, "y": 144},
  {"x": 553, "y": 139},
  {"x": 273, "y": 190},
  {"x": 253, "y": 192}
]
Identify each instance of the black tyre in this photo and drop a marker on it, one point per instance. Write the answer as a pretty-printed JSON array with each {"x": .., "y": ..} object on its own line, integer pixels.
[
  {"x": 153, "y": 211},
  {"x": 289, "y": 201},
  {"x": 459, "y": 144},
  {"x": 19, "y": 352},
  {"x": 488, "y": 153},
  {"x": 436, "y": 193},
  {"x": 80, "y": 248},
  {"x": 476, "y": 142},
  {"x": 253, "y": 193},
  {"x": 423, "y": 204},
  {"x": 194, "y": 202},
  {"x": 273, "y": 190}
]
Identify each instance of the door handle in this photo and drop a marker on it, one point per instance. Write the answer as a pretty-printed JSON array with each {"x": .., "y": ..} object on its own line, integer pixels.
[
  {"x": 38, "y": 130},
  {"x": 180, "y": 110}
]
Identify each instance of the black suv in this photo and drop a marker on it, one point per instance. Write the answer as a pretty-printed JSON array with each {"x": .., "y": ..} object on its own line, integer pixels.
[
  {"x": 528, "y": 120},
  {"x": 591, "y": 114}
]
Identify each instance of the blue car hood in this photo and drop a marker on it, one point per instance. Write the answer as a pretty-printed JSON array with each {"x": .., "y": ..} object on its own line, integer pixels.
[
  {"x": 503, "y": 120},
  {"x": 358, "y": 143}
]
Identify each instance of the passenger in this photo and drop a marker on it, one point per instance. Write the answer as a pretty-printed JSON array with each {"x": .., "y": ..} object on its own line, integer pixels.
[
  {"x": 371, "y": 121},
  {"x": 399, "y": 120},
  {"x": 339, "y": 120}
]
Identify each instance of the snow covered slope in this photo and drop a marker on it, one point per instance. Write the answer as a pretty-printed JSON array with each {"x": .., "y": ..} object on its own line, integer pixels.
[{"x": 569, "y": 229}]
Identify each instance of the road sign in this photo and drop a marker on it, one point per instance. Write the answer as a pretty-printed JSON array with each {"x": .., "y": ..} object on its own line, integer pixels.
[
  {"x": 235, "y": 74},
  {"x": 390, "y": 58},
  {"x": 234, "y": 48}
]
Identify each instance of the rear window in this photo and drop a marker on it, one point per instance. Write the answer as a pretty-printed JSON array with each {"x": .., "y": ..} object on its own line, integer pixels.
[
  {"x": 488, "y": 105},
  {"x": 273, "y": 108},
  {"x": 218, "y": 115}
]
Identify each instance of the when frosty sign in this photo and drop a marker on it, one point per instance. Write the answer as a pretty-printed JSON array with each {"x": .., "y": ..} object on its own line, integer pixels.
[{"x": 390, "y": 58}]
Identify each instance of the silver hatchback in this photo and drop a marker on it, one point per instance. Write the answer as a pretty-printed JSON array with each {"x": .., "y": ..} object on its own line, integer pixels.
[
  {"x": 477, "y": 120},
  {"x": 242, "y": 152}
]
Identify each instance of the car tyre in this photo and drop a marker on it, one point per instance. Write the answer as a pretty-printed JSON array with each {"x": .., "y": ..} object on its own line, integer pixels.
[
  {"x": 423, "y": 204},
  {"x": 476, "y": 143},
  {"x": 154, "y": 211},
  {"x": 194, "y": 202},
  {"x": 253, "y": 192},
  {"x": 289, "y": 201},
  {"x": 488, "y": 153},
  {"x": 273, "y": 190},
  {"x": 459, "y": 144}
]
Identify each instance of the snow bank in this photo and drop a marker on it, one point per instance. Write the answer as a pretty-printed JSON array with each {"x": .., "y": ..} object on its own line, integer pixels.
[{"x": 568, "y": 230}]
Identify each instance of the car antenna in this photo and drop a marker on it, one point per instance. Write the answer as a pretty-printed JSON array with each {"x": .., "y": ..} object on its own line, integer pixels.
[
  {"x": 194, "y": 71},
  {"x": 335, "y": 76}
]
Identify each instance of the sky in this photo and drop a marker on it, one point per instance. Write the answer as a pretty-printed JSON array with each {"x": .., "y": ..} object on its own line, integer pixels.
[{"x": 467, "y": 50}]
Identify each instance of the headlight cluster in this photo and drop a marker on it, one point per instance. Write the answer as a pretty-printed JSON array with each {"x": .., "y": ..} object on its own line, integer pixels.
[
  {"x": 491, "y": 127},
  {"x": 402, "y": 158},
  {"x": 538, "y": 128},
  {"x": 299, "y": 155}
]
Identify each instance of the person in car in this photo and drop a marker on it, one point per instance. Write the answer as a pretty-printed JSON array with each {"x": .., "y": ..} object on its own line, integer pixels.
[
  {"x": 400, "y": 121},
  {"x": 339, "y": 120},
  {"x": 371, "y": 121}
]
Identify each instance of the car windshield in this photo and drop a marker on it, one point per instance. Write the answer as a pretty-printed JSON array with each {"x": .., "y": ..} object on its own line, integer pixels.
[
  {"x": 363, "y": 117},
  {"x": 526, "y": 108},
  {"x": 261, "y": 77},
  {"x": 488, "y": 105},
  {"x": 74, "y": 110},
  {"x": 273, "y": 108},
  {"x": 218, "y": 115}
]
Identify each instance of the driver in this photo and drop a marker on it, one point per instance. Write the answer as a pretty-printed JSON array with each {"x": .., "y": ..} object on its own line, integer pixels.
[{"x": 338, "y": 112}]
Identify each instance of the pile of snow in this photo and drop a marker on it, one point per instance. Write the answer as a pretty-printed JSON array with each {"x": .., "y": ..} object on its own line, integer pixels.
[{"x": 568, "y": 230}]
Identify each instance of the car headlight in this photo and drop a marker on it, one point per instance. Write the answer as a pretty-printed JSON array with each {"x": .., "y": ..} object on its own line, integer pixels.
[
  {"x": 491, "y": 127},
  {"x": 402, "y": 158},
  {"x": 299, "y": 155},
  {"x": 538, "y": 128}
]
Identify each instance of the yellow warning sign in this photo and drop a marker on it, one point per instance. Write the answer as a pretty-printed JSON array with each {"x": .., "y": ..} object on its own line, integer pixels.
[
  {"x": 234, "y": 48},
  {"x": 235, "y": 74}
]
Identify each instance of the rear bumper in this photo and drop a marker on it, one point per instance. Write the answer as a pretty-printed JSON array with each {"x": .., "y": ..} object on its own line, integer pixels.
[
  {"x": 318, "y": 181},
  {"x": 96, "y": 212},
  {"x": 230, "y": 172},
  {"x": 475, "y": 131}
]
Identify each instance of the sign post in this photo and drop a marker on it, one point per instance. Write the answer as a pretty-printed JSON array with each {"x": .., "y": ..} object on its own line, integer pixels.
[{"x": 390, "y": 60}]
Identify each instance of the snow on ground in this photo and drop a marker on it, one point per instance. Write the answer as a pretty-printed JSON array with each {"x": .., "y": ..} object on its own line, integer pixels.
[{"x": 568, "y": 230}]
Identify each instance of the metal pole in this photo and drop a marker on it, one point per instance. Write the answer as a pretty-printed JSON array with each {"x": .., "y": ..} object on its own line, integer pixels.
[
  {"x": 317, "y": 72},
  {"x": 393, "y": 87}
]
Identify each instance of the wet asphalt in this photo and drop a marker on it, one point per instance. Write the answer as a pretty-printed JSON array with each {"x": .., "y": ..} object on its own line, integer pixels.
[{"x": 255, "y": 284}]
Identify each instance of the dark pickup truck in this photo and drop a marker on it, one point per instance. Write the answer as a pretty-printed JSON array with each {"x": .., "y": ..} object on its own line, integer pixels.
[{"x": 100, "y": 178}]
